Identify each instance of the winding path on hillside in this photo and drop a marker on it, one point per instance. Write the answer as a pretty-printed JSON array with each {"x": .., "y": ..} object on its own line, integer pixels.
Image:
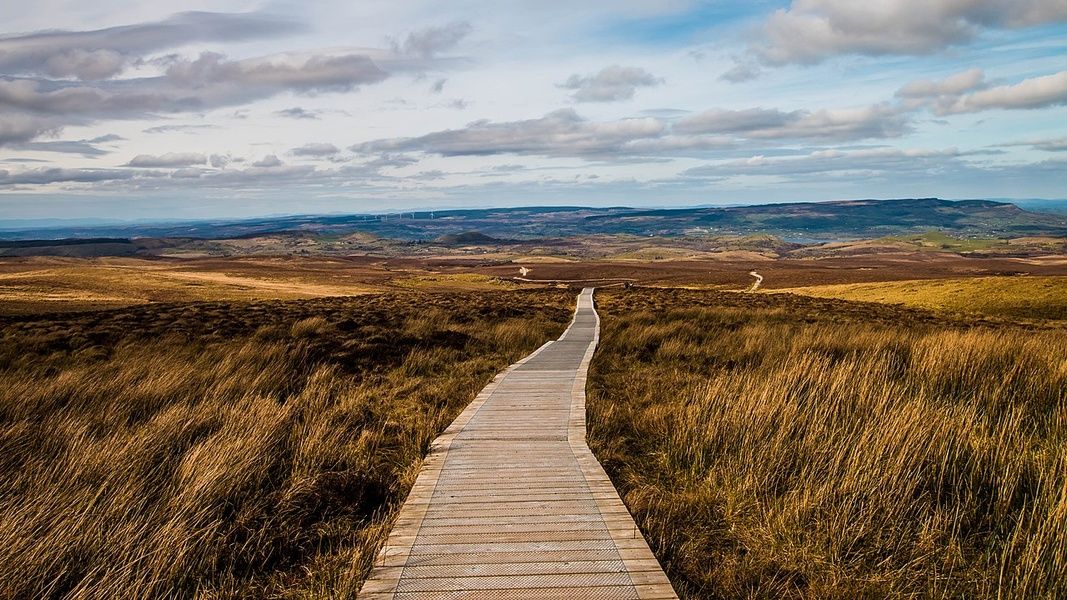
[
  {"x": 755, "y": 284},
  {"x": 511, "y": 504}
]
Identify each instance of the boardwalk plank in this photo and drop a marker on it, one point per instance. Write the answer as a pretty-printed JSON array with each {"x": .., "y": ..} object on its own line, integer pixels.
[{"x": 510, "y": 502}]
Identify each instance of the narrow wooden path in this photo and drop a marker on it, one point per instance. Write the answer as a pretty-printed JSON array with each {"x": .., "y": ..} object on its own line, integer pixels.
[{"x": 512, "y": 504}]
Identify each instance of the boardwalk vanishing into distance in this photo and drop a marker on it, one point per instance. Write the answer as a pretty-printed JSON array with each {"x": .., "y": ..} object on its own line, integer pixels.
[{"x": 512, "y": 504}]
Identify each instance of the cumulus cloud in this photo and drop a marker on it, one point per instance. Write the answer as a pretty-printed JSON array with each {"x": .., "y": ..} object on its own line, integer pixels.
[
  {"x": 103, "y": 53},
  {"x": 611, "y": 84},
  {"x": 219, "y": 161},
  {"x": 170, "y": 159},
  {"x": 1036, "y": 92},
  {"x": 59, "y": 78},
  {"x": 744, "y": 69},
  {"x": 810, "y": 31},
  {"x": 968, "y": 92},
  {"x": 877, "y": 121},
  {"x": 32, "y": 107},
  {"x": 390, "y": 161},
  {"x": 427, "y": 43},
  {"x": 210, "y": 81},
  {"x": 562, "y": 133},
  {"x": 272, "y": 74},
  {"x": 315, "y": 150},
  {"x": 269, "y": 161}
]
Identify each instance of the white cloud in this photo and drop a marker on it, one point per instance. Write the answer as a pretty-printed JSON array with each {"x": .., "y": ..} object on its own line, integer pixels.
[
  {"x": 268, "y": 162},
  {"x": 559, "y": 133},
  {"x": 429, "y": 42},
  {"x": 1052, "y": 144},
  {"x": 103, "y": 53},
  {"x": 18, "y": 127},
  {"x": 956, "y": 84},
  {"x": 810, "y": 31},
  {"x": 968, "y": 92},
  {"x": 315, "y": 150},
  {"x": 61, "y": 175},
  {"x": 170, "y": 159},
  {"x": 37, "y": 95},
  {"x": 877, "y": 121},
  {"x": 198, "y": 87},
  {"x": 210, "y": 81},
  {"x": 297, "y": 112},
  {"x": 565, "y": 133},
  {"x": 611, "y": 84},
  {"x": 835, "y": 163},
  {"x": 211, "y": 72},
  {"x": 1036, "y": 92}
]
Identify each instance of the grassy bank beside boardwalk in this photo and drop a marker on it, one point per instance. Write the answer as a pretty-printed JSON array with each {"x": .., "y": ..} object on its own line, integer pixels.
[
  {"x": 233, "y": 450},
  {"x": 789, "y": 447}
]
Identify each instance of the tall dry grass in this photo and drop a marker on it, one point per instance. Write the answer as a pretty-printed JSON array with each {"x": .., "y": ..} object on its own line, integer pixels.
[
  {"x": 818, "y": 453},
  {"x": 265, "y": 462}
]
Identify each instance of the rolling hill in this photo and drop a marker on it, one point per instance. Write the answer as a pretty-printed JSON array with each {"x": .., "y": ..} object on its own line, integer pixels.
[{"x": 805, "y": 222}]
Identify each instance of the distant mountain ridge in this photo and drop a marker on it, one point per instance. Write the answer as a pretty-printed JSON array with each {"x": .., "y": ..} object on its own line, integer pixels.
[{"x": 832, "y": 220}]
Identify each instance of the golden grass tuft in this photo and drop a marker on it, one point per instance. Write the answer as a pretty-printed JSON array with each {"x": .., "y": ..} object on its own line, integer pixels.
[
  {"x": 250, "y": 450},
  {"x": 818, "y": 453},
  {"x": 1009, "y": 297}
]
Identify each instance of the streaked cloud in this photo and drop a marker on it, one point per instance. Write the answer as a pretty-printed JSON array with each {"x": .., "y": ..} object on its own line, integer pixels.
[
  {"x": 862, "y": 162},
  {"x": 1051, "y": 145},
  {"x": 566, "y": 133},
  {"x": 86, "y": 147},
  {"x": 867, "y": 122},
  {"x": 315, "y": 150},
  {"x": 418, "y": 103},
  {"x": 103, "y": 53},
  {"x": 297, "y": 112},
  {"x": 559, "y": 133},
  {"x": 170, "y": 159},
  {"x": 968, "y": 92},
  {"x": 53, "y": 79}
]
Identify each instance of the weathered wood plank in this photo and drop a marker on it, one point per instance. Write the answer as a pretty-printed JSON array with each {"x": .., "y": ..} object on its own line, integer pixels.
[{"x": 511, "y": 503}]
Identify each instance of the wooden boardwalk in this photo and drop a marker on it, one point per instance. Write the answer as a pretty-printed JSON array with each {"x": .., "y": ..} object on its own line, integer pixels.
[{"x": 511, "y": 504}]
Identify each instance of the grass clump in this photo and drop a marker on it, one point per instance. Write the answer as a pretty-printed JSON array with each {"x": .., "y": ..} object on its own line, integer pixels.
[
  {"x": 1006, "y": 297},
  {"x": 248, "y": 450},
  {"x": 792, "y": 448}
]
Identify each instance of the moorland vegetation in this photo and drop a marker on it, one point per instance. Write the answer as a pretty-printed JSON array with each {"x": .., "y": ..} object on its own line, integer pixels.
[
  {"x": 233, "y": 450},
  {"x": 774, "y": 446}
]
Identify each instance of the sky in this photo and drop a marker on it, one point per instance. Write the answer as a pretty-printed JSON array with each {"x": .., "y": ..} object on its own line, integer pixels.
[{"x": 161, "y": 110}]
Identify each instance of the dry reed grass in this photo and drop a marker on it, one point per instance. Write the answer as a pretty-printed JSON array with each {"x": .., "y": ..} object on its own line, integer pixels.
[
  {"x": 796, "y": 448},
  {"x": 233, "y": 450}
]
